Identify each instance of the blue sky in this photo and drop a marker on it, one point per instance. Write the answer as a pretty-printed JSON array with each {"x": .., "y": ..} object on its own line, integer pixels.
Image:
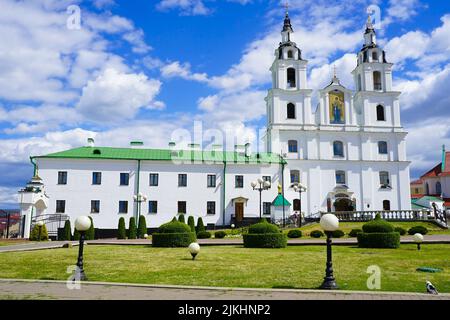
[{"x": 144, "y": 69}]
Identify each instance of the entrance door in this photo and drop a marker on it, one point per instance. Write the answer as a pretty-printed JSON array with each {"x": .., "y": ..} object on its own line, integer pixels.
[
  {"x": 239, "y": 211},
  {"x": 343, "y": 205}
]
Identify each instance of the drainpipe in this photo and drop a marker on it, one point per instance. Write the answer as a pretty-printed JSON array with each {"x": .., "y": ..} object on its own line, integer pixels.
[
  {"x": 282, "y": 191},
  {"x": 139, "y": 201},
  {"x": 223, "y": 191},
  {"x": 33, "y": 162}
]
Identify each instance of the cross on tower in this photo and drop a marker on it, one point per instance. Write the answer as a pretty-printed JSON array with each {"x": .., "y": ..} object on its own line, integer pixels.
[{"x": 286, "y": 6}]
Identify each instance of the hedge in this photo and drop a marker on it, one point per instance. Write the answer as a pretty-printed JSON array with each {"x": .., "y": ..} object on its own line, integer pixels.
[
  {"x": 181, "y": 218},
  {"x": 132, "y": 231},
  {"x": 34, "y": 235},
  {"x": 200, "y": 225},
  {"x": 316, "y": 234},
  {"x": 400, "y": 230},
  {"x": 204, "y": 235},
  {"x": 191, "y": 223},
  {"x": 390, "y": 240},
  {"x": 174, "y": 227},
  {"x": 338, "y": 234},
  {"x": 220, "y": 234},
  {"x": 418, "y": 229},
  {"x": 294, "y": 234},
  {"x": 122, "y": 230},
  {"x": 267, "y": 240},
  {"x": 378, "y": 225},
  {"x": 354, "y": 233},
  {"x": 67, "y": 233},
  {"x": 173, "y": 240},
  {"x": 263, "y": 227}
]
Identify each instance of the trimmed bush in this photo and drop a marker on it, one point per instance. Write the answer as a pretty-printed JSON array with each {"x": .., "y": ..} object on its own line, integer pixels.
[
  {"x": 400, "y": 230},
  {"x": 338, "y": 234},
  {"x": 264, "y": 235},
  {"x": 181, "y": 218},
  {"x": 174, "y": 219},
  {"x": 203, "y": 235},
  {"x": 316, "y": 234},
  {"x": 67, "y": 232},
  {"x": 294, "y": 234},
  {"x": 142, "y": 227},
  {"x": 220, "y": 234},
  {"x": 390, "y": 240},
  {"x": 354, "y": 233},
  {"x": 378, "y": 225},
  {"x": 132, "y": 230},
  {"x": 34, "y": 235},
  {"x": 418, "y": 229},
  {"x": 200, "y": 225},
  {"x": 191, "y": 223},
  {"x": 173, "y": 234},
  {"x": 122, "y": 230}
]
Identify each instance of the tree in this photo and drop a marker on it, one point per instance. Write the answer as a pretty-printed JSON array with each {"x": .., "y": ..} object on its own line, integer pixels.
[
  {"x": 191, "y": 223},
  {"x": 34, "y": 235},
  {"x": 132, "y": 232},
  {"x": 67, "y": 233},
  {"x": 181, "y": 218},
  {"x": 174, "y": 219},
  {"x": 122, "y": 231},
  {"x": 200, "y": 225},
  {"x": 142, "y": 228}
]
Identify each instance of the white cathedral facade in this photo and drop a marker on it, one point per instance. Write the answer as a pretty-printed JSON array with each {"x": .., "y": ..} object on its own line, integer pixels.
[{"x": 348, "y": 153}]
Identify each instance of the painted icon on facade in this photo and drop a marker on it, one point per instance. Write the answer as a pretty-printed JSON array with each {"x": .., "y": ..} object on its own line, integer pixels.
[{"x": 337, "y": 107}]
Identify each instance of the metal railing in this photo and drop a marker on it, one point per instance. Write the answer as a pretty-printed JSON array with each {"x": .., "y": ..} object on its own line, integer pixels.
[{"x": 53, "y": 222}]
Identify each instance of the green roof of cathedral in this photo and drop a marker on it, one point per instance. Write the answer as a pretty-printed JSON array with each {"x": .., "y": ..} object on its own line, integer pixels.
[{"x": 165, "y": 155}]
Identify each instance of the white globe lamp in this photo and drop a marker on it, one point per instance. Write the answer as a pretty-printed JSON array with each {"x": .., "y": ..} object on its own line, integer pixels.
[
  {"x": 329, "y": 222},
  {"x": 83, "y": 223},
  {"x": 418, "y": 239},
  {"x": 194, "y": 250}
]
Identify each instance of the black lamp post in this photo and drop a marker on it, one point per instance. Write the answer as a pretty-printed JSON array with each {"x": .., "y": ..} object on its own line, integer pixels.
[
  {"x": 329, "y": 223},
  {"x": 82, "y": 224},
  {"x": 260, "y": 185},
  {"x": 298, "y": 187}
]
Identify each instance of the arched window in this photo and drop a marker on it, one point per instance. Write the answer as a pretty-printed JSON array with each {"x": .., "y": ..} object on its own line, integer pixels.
[
  {"x": 382, "y": 147},
  {"x": 340, "y": 177},
  {"x": 377, "y": 81},
  {"x": 290, "y": 54},
  {"x": 386, "y": 205},
  {"x": 384, "y": 179},
  {"x": 291, "y": 78},
  {"x": 338, "y": 149},
  {"x": 293, "y": 146},
  {"x": 438, "y": 188},
  {"x": 375, "y": 56},
  {"x": 380, "y": 113},
  {"x": 297, "y": 205},
  {"x": 291, "y": 111},
  {"x": 295, "y": 176}
]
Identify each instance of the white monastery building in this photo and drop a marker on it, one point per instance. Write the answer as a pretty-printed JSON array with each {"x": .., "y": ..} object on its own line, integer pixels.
[{"x": 347, "y": 154}]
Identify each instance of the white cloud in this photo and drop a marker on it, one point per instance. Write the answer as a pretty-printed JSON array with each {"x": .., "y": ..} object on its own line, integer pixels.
[
  {"x": 176, "y": 69},
  {"x": 186, "y": 7}
]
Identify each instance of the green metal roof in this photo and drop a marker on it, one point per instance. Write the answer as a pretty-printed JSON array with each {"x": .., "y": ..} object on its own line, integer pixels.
[
  {"x": 280, "y": 200},
  {"x": 164, "y": 155},
  {"x": 430, "y": 198}
]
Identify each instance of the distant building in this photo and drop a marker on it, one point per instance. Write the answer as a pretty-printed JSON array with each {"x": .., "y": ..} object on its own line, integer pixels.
[{"x": 417, "y": 189}]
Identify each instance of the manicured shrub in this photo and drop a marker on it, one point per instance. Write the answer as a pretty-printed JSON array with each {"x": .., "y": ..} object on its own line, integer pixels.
[
  {"x": 203, "y": 235},
  {"x": 390, "y": 240},
  {"x": 378, "y": 225},
  {"x": 173, "y": 234},
  {"x": 181, "y": 218},
  {"x": 316, "y": 234},
  {"x": 200, "y": 225},
  {"x": 220, "y": 234},
  {"x": 294, "y": 234},
  {"x": 142, "y": 227},
  {"x": 34, "y": 235},
  {"x": 400, "y": 230},
  {"x": 191, "y": 223},
  {"x": 418, "y": 229},
  {"x": 354, "y": 233},
  {"x": 132, "y": 231},
  {"x": 264, "y": 235},
  {"x": 90, "y": 234},
  {"x": 174, "y": 219},
  {"x": 122, "y": 230},
  {"x": 338, "y": 234},
  {"x": 67, "y": 232}
]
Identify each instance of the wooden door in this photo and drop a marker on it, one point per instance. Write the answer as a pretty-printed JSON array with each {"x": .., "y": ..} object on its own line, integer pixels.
[{"x": 239, "y": 211}]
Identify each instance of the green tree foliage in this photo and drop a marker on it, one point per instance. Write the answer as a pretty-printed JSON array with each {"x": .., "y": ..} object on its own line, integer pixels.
[
  {"x": 90, "y": 234},
  {"x": 67, "y": 233},
  {"x": 34, "y": 236},
  {"x": 200, "y": 225},
  {"x": 132, "y": 230},
  {"x": 142, "y": 227},
  {"x": 122, "y": 230},
  {"x": 181, "y": 218},
  {"x": 191, "y": 223}
]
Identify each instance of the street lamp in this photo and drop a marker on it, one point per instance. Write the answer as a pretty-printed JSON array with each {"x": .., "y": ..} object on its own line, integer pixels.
[
  {"x": 194, "y": 249},
  {"x": 40, "y": 224},
  {"x": 418, "y": 239},
  {"x": 298, "y": 187},
  {"x": 329, "y": 223},
  {"x": 82, "y": 224},
  {"x": 260, "y": 185},
  {"x": 139, "y": 198}
]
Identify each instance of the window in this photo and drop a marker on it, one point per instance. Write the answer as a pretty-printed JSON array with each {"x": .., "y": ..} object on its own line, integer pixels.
[
  {"x": 267, "y": 208},
  {"x": 386, "y": 205},
  {"x": 211, "y": 183},
  {"x": 380, "y": 113},
  {"x": 338, "y": 149},
  {"x": 295, "y": 176},
  {"x": 359, "y": 83},
  {"x": 182, "y": 180},
  {"x": 124, "y": 179},
  {"x": 60, "y": 206},
  {"x": 211, "y": 207},
  {"x": 297, "y": 205},
  {"x": 340, "y": 177},
  {"x": 382, "y": 147},
  {"x": 290, "y": 54},
  {"x": 182, "y": 207},
  {"x": 293, "y": 146},
  {"x": 96, "y": 178},
  {"x": 239, "y": 181},
  {"x": 384, "y": 179},
  {"x": 95, "y": 206},
  {"x": 291, "y": 111},
  {"x": 269, "y": 179},
  {"x": 154, "y": 179},
  {"x": 123, "y": 207},
  {"x": 374, "y": 56},
  {"x": 153, "y": 207},
  {"x": 291, "y": 78},
  {"x": 427, "y": 189},
  {"x": 377, "y": 81},
  {"x": 438, "y": 188},
  {"x": 62, "y": 177}
]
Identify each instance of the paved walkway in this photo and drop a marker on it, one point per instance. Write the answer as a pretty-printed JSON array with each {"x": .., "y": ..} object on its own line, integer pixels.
[
  {"x": 432, "y": 239},
  {"x": 23, "y": 289}
]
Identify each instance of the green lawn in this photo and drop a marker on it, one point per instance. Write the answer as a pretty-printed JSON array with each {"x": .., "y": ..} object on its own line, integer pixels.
[
  {"x": 11, "y": 242},
  {"x": 235, "y": 266}
]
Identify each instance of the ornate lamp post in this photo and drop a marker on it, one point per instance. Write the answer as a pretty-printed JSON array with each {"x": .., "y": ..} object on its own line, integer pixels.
[
  {"x": 260, "y": 185},
  {"x": 329, "y": 223},
  {"x": 82, "y": 224},
  {"x": 300, "y": 188},
  {"x": 418, "y": 239},
  {"x": 139, "y": 198},
  {"x": 194, "y": 250},
  {"x": 40, "y": 224}
]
